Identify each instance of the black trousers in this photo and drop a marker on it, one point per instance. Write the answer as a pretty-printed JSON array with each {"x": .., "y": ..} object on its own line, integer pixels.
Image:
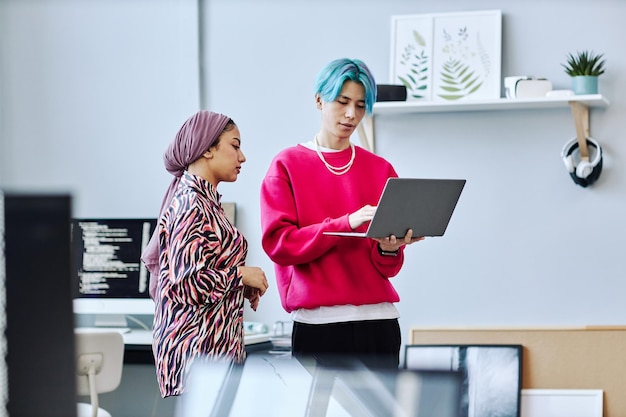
[{"x": 374, "y": 343}]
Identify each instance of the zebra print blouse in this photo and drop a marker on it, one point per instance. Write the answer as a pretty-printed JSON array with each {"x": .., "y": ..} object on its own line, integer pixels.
[{"x": 199, "y": 299}]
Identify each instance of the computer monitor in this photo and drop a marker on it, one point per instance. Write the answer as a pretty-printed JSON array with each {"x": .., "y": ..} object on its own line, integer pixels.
[
  {"x": 37, "y": 362},
  {"x": 112, "y": 282}
]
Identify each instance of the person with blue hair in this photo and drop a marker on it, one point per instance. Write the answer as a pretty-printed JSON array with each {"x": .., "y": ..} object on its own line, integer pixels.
[{"x": 337, "y": 289}]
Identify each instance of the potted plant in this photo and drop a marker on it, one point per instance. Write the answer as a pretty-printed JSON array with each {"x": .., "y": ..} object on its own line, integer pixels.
[{"x": 584, "y": 67}]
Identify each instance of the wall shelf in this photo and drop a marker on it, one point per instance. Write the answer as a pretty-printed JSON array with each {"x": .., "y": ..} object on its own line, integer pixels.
[{"x": 584, "y": 102}]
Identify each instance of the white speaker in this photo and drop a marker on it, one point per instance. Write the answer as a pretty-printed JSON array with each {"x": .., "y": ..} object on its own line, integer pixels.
[{"x": 584, "y": 171}]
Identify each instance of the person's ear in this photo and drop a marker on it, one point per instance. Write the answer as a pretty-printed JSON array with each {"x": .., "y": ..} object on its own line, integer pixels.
[
  {"x": 208, "y": 154},
  {"x": 318, "y": 101}
]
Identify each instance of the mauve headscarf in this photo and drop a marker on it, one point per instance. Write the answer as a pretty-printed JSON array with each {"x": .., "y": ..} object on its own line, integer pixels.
[{"x": 195, "y": 136}]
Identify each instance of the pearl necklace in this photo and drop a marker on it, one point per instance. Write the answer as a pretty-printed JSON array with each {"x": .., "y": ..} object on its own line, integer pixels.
[{"x": 335, "y": 170}]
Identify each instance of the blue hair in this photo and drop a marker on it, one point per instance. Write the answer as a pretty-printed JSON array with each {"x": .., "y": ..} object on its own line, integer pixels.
[{"x": 331, "y": 78}]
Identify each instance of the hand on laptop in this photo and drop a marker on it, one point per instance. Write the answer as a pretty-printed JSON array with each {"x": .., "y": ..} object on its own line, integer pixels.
[
  {"x": 392, "y": 243},
  {"x": 362, "y": 215}
]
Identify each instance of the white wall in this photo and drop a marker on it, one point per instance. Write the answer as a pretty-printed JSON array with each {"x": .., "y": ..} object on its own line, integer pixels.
[
  {"x": 91, "y": 93},
  {"x": 526, "y": 246}
]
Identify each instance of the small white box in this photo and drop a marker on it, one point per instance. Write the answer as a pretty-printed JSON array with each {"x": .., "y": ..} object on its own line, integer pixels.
[
  {"x": 510, "y": 83},
  {"x": 526, "y": 86},
  {"x": 532, "y": 88}
]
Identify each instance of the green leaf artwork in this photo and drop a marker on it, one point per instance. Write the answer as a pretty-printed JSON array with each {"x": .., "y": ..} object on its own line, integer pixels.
[
  {"x": 457, "y": 78},
  {"x": 415, "y": 78}
]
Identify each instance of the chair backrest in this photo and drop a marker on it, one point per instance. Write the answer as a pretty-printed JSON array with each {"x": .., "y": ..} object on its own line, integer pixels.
[{"x": 103, "y": 349}]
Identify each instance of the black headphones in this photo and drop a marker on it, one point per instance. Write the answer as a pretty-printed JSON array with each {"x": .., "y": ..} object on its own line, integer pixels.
[{"x": 584, "y": 171}]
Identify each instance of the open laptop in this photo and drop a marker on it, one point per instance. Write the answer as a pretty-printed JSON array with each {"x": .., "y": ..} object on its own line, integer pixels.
[{"x": 422, "y": 204}]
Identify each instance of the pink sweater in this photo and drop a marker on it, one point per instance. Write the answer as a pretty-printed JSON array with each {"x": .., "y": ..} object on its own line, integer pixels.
[{"x": 300, "y": 199}]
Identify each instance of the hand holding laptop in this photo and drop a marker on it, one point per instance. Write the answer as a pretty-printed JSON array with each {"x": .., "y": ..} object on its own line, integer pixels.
[{"x": 393, "y": 243}]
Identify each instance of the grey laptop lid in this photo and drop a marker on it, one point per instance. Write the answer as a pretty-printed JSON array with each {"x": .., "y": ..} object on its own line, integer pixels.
[{"x": 422, "y": 204}]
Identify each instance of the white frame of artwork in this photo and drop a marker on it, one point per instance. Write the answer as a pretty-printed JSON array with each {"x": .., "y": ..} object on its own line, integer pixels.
[
  {"x": 447, "y": 56},
  {"x": 562, "y": 402}
]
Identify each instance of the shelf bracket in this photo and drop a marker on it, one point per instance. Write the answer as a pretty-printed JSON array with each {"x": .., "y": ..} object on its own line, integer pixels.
[
  {"x": 365, "y": 130},
  {"x": 580, "y": 112}
]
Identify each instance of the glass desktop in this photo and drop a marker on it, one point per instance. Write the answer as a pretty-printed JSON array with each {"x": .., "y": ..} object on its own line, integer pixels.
[{"x": 282, "y": 385}]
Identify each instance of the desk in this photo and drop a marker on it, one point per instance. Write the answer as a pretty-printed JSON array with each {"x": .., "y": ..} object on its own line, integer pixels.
[
  {"x": 138, "y": 345},
  {"x": 283, "y": 386},
  {"x": 141, "y": 337}
]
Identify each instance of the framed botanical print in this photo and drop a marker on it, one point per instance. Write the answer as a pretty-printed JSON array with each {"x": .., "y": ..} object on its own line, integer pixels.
[{"x": 447, "y": 56}]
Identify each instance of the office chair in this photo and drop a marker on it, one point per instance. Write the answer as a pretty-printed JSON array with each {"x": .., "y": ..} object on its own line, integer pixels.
[{"x": 99, "y": 363}]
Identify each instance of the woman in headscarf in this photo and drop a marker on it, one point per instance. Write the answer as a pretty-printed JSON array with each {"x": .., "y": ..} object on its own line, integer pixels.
[{"x": 196, "y": 256}]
